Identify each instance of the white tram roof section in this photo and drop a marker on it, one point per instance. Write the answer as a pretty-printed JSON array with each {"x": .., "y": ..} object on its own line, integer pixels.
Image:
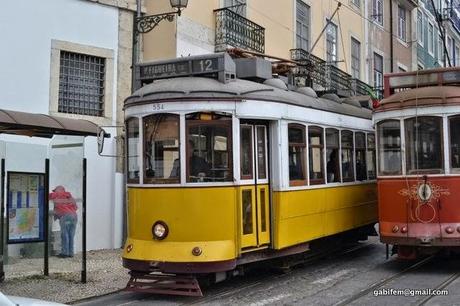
[{"x": 202, "y": 88}]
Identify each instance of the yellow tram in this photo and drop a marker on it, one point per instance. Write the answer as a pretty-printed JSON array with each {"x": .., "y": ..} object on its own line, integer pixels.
[{"x": 227, "y": 166}]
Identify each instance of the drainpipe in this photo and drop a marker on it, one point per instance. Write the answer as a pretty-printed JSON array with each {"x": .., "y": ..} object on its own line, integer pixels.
[{"x": 391, "y": 38}]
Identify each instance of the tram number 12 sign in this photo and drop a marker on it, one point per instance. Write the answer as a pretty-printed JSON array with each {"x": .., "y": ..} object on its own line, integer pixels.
[
  {"x": 25, "y": 207},
  {"x": 179, "y": 68}
]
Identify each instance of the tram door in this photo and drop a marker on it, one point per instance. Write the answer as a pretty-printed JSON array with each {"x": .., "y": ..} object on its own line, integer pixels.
[{"x": 254, "y": 202}]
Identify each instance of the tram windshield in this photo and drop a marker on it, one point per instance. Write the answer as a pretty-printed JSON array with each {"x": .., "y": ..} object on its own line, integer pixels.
[
  {"x": 424, "y": 145},
  {"x": 209, "y": 147},
  {"x": 389, "y": 134},
  {"x": 161, "y": 149}
]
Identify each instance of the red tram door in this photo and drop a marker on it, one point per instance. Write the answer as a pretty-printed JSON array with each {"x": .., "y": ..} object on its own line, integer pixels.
[{"x": 254, "y": 197}]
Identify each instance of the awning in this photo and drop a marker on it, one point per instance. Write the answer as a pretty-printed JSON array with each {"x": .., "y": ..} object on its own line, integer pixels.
[{"x": 41, "y": 125}]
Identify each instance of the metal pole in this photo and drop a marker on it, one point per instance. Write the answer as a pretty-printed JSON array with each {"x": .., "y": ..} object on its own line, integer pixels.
[
  {"x": 46, "y": 214},
  {"x": 2, "y": 223},
  {"x": 387, "y": 250},
  {"x": 83, "y": 214}
]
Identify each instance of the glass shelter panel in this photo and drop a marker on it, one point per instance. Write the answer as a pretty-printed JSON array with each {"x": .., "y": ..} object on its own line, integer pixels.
[
  {"x": 209, "y": 147},
  {"x": 424, "y": 145},
  {"x": 161, "y": 149},
  {"x": 389, "y": 136}
]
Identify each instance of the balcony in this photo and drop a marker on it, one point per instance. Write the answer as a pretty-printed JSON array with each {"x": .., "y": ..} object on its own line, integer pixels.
[
  {"x": 321, "y": 76},
  {"x": 235, "y": 30}
]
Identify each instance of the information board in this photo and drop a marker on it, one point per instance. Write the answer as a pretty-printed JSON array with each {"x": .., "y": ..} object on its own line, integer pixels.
[{"x": 25, "y": 207}]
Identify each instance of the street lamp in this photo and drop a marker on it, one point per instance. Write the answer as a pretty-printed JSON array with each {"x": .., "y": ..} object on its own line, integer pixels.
[{"x": 145, "y": 24}]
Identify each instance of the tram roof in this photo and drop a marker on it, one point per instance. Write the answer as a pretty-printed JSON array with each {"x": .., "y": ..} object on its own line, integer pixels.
[
  {"x": 196, "y": 88},
  {"x": 422, "y": 97}
]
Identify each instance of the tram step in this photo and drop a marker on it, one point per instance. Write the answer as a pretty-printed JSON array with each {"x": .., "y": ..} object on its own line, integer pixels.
[{"x": 169, "y": 284}]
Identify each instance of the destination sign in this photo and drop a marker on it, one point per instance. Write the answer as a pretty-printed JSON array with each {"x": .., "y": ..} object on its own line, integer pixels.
[
  {"x": 177, "y": 69},
  {"x": 219, "y": 66}
]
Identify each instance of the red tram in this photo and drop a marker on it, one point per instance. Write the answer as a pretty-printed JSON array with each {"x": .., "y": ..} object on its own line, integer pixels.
[{"x": 418, "y": 138}]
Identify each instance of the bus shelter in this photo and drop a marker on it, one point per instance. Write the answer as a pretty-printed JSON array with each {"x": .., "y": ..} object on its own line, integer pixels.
[{"x": 27, "y": 219}]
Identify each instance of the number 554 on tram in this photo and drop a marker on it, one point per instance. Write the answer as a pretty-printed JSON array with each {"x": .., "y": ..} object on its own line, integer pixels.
[{"x": 225, "y": 171}]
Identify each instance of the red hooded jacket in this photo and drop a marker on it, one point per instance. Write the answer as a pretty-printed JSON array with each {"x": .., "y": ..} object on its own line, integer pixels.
[{"x": 64, "y": 203}]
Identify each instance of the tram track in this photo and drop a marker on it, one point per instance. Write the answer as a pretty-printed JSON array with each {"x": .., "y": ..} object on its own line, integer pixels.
[
  {"x": 453, "y": 277},
  {"x": 385, "y": 281},
  {"x": 250, "y": 284}
]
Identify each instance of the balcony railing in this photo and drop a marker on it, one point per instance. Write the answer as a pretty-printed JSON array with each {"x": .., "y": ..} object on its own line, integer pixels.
[
  {"x": 237, "y": 31},
  {"x": 320, "y": 75}
]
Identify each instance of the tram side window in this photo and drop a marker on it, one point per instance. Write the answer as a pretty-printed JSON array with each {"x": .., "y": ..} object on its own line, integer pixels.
[
  {"x": 132, "y": 132},
  {"x": 389, "y": 135},
  {"x": 161, "y": 149},
  {"x": 424, "y": 145},
  {"x": 297, "y": 151},
  {"x": 209, "y": 147},
  {"x": 347, "y": 157},
  {"x": 360, "y": 153},
  {"x": 332, "y": 156},
  {"x": 454, "y": 128},
  {"x": 371, "y": 174},
  {"x": 316, "y": 146}
]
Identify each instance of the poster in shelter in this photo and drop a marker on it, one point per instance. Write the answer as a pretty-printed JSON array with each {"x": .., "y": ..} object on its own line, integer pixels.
[{"x": 25, "y": 207}]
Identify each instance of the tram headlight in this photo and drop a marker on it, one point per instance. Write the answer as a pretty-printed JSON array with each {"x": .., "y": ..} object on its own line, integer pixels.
[{"x": 160, "y": 230}]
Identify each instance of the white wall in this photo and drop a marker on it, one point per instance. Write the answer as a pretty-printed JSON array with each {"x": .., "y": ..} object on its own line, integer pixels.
[
  {"x": 28, "y": 27},
  {"x": 27, "y": 30}
]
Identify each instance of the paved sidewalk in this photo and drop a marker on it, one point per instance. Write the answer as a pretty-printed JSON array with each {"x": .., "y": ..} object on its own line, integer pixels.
[{"x": 105, "y": 274}]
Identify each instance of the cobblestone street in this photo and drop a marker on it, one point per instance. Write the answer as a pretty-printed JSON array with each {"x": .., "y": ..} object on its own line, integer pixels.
[{"x": 355, "y": 277}]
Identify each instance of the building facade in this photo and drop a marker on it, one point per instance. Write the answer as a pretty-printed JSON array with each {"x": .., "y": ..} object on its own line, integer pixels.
[
  {"x": 71, "y": 59},
  {"x": 390, "y": 42},
  {"x": 274, "y": 28},
  {"x": 363, "y": 41},
  {"x": 438, "y": 34}
]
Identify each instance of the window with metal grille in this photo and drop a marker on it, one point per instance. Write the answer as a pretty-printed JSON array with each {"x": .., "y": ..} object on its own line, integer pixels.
[
  {"x": 81, "y": 84},
  {"x": 303, "y": 26},
  {"x": 355, "y": 58}
]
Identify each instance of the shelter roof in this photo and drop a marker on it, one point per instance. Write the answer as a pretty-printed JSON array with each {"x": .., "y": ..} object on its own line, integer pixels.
[{"x": 41, "y": 125}]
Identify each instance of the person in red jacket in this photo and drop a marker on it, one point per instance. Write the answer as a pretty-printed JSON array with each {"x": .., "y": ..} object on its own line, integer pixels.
[{"x": 65, "y": 209}]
